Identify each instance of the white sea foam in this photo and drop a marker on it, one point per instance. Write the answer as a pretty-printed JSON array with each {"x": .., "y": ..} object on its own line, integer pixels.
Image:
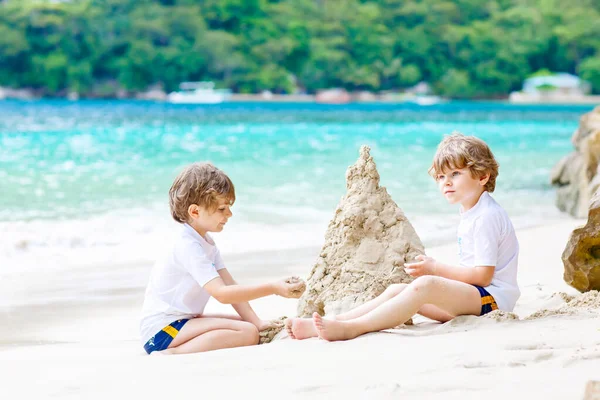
[{"x": 139, "y": 236}]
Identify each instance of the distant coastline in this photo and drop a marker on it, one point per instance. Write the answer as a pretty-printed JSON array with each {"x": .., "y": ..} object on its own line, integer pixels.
[
  {"x": 522, "y": 98},
  {"x": 300, "y": 98},
  {"x": 359, "y": 97}
]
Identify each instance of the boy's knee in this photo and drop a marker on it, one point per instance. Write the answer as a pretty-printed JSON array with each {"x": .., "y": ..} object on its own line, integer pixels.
[
  {"x": 396, "y": 288},
  {"x": 425, "y": 282},
  {"x": 250, "y": 333}
]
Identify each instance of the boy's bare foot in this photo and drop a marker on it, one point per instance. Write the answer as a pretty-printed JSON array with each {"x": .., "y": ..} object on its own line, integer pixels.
[
  {"x": 300, "y": 328},
  {"x": 331, "y": 330}
]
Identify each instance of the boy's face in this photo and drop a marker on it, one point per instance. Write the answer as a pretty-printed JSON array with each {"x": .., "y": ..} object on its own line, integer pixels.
[
  {"x": 460, "y": 187},
  {"x": 205, "y": 220}
]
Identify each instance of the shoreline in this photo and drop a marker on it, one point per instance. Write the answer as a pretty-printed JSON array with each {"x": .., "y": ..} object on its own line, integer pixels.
[
  {"x": 92, "y": 333},
  {"x": 311, "y": 99}
]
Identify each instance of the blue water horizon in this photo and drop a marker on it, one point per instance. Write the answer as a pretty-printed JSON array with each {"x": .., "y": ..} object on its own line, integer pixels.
[
  {"x": 61, "y": 159},
  {"x": 87, "y": 182}
]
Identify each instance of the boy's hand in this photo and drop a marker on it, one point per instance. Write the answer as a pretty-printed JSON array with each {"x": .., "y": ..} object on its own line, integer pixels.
[
  {"x": 268, "y": 324},
  {"x": 291, "y": 287},
  {"x": 424, "y": 266}
]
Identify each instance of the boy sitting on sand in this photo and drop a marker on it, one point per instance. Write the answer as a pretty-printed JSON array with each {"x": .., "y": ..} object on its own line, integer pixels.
[
  {"x": 486, "y": 279},
  {"x": 181, "y": 284}
]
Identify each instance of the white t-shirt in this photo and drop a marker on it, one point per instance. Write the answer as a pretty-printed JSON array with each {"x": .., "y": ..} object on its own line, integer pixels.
[
  {"x": 486, "y": 237},
  {"x": 175, "y": 290}
]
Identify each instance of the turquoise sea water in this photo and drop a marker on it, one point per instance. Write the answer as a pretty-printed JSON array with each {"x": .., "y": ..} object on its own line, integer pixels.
[{"x": 62, "y": 161}]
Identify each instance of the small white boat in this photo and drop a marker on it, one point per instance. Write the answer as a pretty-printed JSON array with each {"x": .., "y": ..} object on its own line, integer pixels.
[
  {"x": 198, "y": 93},
  {"x": 427, "y": 100}
]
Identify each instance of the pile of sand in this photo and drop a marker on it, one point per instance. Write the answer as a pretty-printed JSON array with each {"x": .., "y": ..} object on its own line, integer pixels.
[
  {"x": 366, "y": 245},
  {"x": 583, "y": 305}
]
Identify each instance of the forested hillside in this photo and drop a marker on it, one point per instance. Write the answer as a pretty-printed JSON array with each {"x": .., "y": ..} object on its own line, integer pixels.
[{"x": 463, "y": 48}]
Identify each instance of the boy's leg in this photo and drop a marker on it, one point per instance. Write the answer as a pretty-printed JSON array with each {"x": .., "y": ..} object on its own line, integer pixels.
[
  {"x": 391, "y": 291},
  {"x": 304, "y": 328},
  {"x": 225, "y": 316},
  {"x": 427, "y": 310},
  {"x": 453, "y": 297},
  {"x": 205, "y": 334},
  {"x": 435, "y": 313}
]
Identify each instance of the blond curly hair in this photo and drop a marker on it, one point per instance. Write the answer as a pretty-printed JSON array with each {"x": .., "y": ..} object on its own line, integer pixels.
[
  {"x": 457, "y": 151},
  {"x": 202, "y": 184}
]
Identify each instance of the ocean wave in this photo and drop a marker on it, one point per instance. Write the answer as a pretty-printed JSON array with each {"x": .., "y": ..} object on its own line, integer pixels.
[{"x": 141, "y": 236}]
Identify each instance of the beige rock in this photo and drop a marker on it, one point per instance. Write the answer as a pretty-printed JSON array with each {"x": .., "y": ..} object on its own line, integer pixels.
[
  {"x": 576, "y": 175},
  {"x": 366, "y": 245},
  {"x": 581, "y": 257},
  {"x": 588, "y": 123}
]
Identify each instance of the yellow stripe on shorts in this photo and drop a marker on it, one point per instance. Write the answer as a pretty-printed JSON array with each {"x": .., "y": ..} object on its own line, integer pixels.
[
  {"x": 489, "y": 300},
  {"x": 171, "y": 331}
]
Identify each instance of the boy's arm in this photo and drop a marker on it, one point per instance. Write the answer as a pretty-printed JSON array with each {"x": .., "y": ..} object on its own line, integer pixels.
[
  {"x": 480, "y": 276},
  {"x": 243, "y": 309},
  {"x": 235, "y": 294}
]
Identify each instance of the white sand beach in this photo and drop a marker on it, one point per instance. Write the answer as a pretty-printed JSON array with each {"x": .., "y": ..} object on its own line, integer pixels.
[{"x": 73, "y": 334}]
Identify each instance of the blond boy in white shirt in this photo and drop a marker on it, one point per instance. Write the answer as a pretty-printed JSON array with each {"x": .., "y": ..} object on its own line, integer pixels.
[
  {"x": 173, "y": 320},
  {"x": 486, "y": 279}
]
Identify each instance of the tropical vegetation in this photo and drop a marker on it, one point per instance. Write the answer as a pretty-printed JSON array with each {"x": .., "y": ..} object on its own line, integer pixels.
[{"x": 463, "y": 48}]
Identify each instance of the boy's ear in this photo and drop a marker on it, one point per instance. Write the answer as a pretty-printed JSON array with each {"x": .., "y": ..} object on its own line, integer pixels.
[
  {"x": 193, "y": 211},
  {"x": 483, "y": 179}
]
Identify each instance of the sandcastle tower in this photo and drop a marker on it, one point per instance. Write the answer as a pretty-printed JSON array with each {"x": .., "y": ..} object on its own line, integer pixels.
[{"x": 366, "y": 245}]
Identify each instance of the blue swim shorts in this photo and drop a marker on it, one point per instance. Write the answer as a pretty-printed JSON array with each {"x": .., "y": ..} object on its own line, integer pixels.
[
  {"x": 488, "y": 304},
  {"x": 164, "y": 337}
]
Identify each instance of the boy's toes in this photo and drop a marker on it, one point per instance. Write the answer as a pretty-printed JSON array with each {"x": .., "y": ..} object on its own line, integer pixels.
[
  {"x": 317, "y": 319},
  {"x": 288, "y": 327},
  {"x": 318, "y": 323}
]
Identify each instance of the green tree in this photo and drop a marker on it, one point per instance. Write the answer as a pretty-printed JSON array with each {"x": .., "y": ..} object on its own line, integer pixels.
[
  {"x": 590, "y": 71},
  {"x": 463, "y": 48},
  {"x": 457, "y": 84}
]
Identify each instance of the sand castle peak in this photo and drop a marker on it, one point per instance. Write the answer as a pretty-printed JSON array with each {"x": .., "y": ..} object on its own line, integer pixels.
[
  {"x": 363, "y": 171},
  {"x": 366, "y": 245}
]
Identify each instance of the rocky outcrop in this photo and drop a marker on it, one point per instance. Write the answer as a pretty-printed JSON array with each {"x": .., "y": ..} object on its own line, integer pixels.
[
  {"x": 581, "y": 257},
  {"x": 576, "y": 175},
  {"x": 366, "y": 245}
]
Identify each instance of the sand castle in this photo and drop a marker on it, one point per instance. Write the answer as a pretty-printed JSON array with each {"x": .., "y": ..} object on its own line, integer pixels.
[{"x": 366, "y": 245}]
